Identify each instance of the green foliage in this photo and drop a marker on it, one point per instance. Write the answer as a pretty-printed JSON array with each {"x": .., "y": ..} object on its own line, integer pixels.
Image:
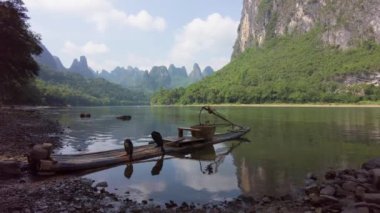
[
  {"x": 292, "y": 69},
  {"x": 17, "y": 44},
  {"x": 167, "y": 97},
  {"x": 65, "y": 88}
]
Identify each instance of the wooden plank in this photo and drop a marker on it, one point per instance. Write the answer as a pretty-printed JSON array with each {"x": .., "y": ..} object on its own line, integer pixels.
[
  {"x": 180, "y": 130},
  {"x": 189, "y": 129},
  {"x": 173, "y": 139},
  {"x": 190, "y": 141}
]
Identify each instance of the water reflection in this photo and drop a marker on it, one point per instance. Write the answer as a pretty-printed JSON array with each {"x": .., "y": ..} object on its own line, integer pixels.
[
  {"x": 208, "y": 177},
  {"x": 214, "y": 185},
  {"x": 209, "y": 154},
  {"x": 290, "y": 142},
  {"x": 128, "y": 170},
  {"x": 158, "y": 166},
  {"x": 181, "y": 179},
  {"x": 287, "y": 143},
  {"x": 104, "y": 132}
]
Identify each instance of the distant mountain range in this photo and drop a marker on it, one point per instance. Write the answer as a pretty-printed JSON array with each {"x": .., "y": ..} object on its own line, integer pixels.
[
  {"x": 81, "y": 67},
  {"x": 77, "y": 86},
  {"x": 130, "y": 77},
  {"x": 158, "y": 77}
]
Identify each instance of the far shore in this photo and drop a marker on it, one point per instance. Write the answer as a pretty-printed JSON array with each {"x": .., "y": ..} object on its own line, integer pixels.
[{"x": 280, "y": 105}]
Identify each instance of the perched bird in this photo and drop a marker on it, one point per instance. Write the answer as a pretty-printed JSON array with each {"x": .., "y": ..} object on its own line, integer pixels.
[
  {"x": 158, "y": 140},
  {"x": 128, "y": 146}
]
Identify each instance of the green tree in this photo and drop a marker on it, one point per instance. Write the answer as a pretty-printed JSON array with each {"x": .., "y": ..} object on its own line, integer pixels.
[
  {"x": 295, "y": 68},
  {"x": 17, "y": 44}
]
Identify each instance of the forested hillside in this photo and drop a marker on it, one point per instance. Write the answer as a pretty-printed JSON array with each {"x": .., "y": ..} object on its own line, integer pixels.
[
  {"x": 298, "y": 68},
  {"x": 66, "y": 88},
  {"x": 295, "y": 51}
]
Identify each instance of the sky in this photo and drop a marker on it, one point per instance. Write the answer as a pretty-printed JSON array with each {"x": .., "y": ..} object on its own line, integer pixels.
[{"x": 138, "y": 33}]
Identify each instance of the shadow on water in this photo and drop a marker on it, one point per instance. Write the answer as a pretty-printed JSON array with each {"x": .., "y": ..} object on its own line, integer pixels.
[
  {"x": 158, "y": 166},
  {"x": 192, "y": 176},
  {"x": 207, "y": 154},
  {"x": 128, "y": 170},
  {"x": 210, "y": 159}
]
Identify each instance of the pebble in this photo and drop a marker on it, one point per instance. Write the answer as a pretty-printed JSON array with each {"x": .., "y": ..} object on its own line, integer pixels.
[
  {"x": 102, "y": 184},
  {"x": 331, "y": 174},
  {"x": 313, "y": 188},
  {"x": 266, "y": 199},
  {"x": 311, "y": 175},
  {"x": 328, "y": 190},
  {"x": 349, "y": 186}
]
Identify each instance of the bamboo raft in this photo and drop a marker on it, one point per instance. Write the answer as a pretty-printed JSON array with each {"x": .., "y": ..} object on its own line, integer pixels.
[{"x": 76, "y": 162}]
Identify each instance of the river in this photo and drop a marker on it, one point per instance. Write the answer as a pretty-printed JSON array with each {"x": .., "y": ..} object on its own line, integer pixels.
[{"x": 284, "y": 144}]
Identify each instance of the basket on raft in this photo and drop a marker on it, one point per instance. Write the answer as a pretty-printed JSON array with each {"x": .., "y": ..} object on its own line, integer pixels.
[{"x": 203, "y": 131}]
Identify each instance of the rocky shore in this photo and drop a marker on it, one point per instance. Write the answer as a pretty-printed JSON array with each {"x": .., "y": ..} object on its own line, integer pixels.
[
  {"x": 347, "y": 190},
  {"x": 22, "y": 128}
]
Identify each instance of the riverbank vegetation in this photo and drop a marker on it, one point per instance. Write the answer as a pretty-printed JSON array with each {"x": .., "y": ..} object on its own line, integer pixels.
[
  {"x": 54, "y": 88},
  {"x": 291, "y": 69},
  {"x": 18, "y": 43},
  {"x": 63, "y": 88}
]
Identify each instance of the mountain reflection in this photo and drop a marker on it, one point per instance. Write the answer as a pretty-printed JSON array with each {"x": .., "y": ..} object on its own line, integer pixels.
[
  {"x": 287, "y": 143},
  {"x": 210, "y": 159},
  {"x": 261, "y": 180}
]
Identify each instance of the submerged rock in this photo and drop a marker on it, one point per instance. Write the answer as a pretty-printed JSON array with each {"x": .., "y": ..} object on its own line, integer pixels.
[
  {"x": 124, "y": 117},
  {"x": 85, "y": 115}
]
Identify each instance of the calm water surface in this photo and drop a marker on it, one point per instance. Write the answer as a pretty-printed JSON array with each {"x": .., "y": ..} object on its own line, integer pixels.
[{"x": 285, "y": 144}]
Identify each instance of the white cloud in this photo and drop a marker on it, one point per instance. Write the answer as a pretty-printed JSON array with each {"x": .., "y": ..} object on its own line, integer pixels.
[
  {"x": 145, "y": 21},
  {"x": 205, "y": 38},
  {"x": 150, "y": 187},
  {"x": 69, "y": 6},
  {"x": 94, "y": 48},
  {"x": 100, "y": 12},
  {"x": 211, "y": 183},
  {"x": 89, "y": 48}
]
